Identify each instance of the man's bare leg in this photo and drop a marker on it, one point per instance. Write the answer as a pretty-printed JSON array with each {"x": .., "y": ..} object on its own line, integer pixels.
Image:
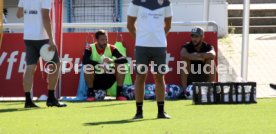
[
  {"x": 140, "y": 87},
  {"x": 160, "y": 95},
  {"x": 184, "y": 74},
  {"x": 53, "y": 76},
  {"x": 120, "y": 78},
  {"x": 212, "y": 76},
  {"x": 139, "y": 94},
  {"x": 28, "y": 78},
  {"x": 160, "y": 87},
  {"x": 89, "y": 79}
]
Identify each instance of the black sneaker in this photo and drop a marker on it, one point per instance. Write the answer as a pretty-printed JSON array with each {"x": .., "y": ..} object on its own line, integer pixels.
[
  {"x": 273, "y": 86},
  {"x": 138, "y": 116},
  {"x": 30, "y": 105},
  {"x": 55, "y": 103},
  {"x": 163, "y": 116}
]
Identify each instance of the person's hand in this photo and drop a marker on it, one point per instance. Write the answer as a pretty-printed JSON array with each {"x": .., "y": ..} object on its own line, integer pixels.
[
  {"x": 104, "y": 67},
  {"x": 101, "y": 66},
  {"x": 199, "y": 56},
  {"x": 52, "y": 46},
  {"x": 203, "y": 55},
  {"x": 196, "y": 54},
  {"x": 108, "y": 60}
]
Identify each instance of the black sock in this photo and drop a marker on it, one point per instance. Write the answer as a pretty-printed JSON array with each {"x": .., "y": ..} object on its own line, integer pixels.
[
  {"x": 139, "y": 106},
  {"x": 91, "y": 92},
  {"x": 160, "y": 107},
  {"x": 28, "y": 97},
  {"x": 119, "y": 91},
  {"x": 51, "y": 94}
]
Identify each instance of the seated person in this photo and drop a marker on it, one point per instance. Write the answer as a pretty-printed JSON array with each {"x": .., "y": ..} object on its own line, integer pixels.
[
  {"x": 196, "y": 54},
  {"x": 100, "y": 56}
]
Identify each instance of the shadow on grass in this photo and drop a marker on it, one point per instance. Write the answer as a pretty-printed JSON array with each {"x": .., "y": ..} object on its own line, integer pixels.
[
  {"x": 176, "y": 100},
  {"x": 17, "y": 110},
  {"x": 116, "y": 122},
  {"x": 108, "y": 105},
  {"x": 128, "y": 102},
  {"x": 11, "y": 103},
  {"x": 98, "y": 101}
]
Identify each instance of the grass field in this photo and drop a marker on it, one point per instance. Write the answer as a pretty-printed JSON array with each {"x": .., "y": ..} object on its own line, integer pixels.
[{"x": 112, "y": 117}]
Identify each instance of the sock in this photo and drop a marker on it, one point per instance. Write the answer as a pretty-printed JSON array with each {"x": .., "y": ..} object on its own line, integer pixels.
[
  {"x": 139, "y": 106},
  {"x": 91, "y": 92},
  {"x": 160, "y": 107},
  {"x": 51, "y": 94},
  {"x": 119, "y": 91},
  {"x": 28, "y": 97}
]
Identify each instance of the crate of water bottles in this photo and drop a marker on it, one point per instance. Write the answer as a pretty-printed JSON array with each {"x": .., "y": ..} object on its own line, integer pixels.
[{"x": 224, "y": 93}]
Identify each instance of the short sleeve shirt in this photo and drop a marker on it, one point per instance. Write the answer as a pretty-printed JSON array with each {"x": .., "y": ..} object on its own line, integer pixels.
[
  {"x": 150, "y": 16},
  {"x": 33, "y": 23}
]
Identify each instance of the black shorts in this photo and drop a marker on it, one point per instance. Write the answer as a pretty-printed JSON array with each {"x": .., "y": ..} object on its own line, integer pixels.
[
  {"x": 33, "y": 49},
  {"x": 104, "y": 81},
  {"x": 144, "y": 56}
]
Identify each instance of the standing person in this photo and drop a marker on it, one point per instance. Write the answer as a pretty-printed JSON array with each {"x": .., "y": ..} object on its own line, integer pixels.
[
  {"x": 38, "y": 32},
  {"x": 153, "y": 21}
]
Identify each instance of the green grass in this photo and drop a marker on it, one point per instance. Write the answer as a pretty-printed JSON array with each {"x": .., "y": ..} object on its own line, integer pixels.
[{"x": 111, "y": 117}]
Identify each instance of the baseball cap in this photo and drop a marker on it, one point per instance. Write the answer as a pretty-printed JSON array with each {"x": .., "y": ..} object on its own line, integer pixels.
[{"x": 197, "y": 31}]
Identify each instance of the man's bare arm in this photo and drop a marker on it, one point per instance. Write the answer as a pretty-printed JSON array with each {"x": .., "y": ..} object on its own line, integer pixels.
[
  {"x": 20, "y": 12},
  {"x": 190, "y": 56},
  {"x": 209, "y": 55},
  {"x": 131, "y": 26},
  {"x": 168, "y": 24},
  {"x": 48, "y": 27}
]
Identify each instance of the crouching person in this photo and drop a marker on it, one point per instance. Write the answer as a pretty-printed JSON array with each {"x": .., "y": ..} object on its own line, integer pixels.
[
  {"x": 199, "y": 59},
  {"x": 106, "y": 62}
]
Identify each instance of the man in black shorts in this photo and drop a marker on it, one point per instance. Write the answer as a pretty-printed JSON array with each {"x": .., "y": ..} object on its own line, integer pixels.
[
  {"x": 38, "y": 32},
  {"x": 100, "y": 57},
  {"x": 196, "y": 54},
  {"x": 153, "y": 21}
]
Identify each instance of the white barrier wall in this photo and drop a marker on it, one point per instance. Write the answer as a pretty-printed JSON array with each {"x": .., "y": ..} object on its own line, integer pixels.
[
  {"x": 184, "y": 10},
  {"x": 192, "y": 10}
]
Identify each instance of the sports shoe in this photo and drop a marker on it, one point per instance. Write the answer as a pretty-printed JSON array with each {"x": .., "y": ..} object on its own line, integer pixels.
[
  {"x": 90, "y": 99},
  {"x": 163, "y": 116},
  {"x": 138, "y": 116},
  {"x": 55, "y": 103},
  {"x": 121, "y": 98},
  {"x": 30, "y": 105}
]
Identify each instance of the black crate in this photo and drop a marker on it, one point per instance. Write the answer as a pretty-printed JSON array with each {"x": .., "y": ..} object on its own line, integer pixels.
[{"x": 224, "y": 93}]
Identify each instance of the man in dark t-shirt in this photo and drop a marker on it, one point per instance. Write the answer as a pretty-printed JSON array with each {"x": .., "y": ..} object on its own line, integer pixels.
[{"x": 197, "y": 54}]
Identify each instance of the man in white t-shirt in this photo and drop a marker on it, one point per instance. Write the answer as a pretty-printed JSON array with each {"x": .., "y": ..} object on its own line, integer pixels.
[
  {"x": 38, "y": 32},
  {"x": 153, "y": 22}
]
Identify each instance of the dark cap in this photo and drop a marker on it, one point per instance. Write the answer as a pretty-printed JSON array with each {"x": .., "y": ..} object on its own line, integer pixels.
[{"x": 197, "y": 31}]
